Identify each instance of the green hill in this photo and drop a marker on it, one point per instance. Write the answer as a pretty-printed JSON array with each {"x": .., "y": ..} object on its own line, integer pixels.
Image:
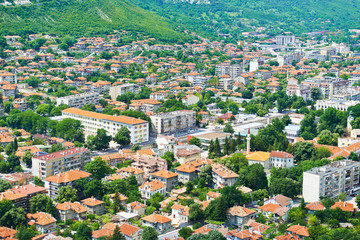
[{"x": 83, "y": 17}]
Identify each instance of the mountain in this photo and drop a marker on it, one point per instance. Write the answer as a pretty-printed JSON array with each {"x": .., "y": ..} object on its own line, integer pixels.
[
  {"x": 234, "y": 16},
  {"x": 83, "y": 17}
]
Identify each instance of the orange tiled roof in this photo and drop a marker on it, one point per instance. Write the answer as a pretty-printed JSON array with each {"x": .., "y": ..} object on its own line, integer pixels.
[
  {"x": 164, "y": 174},
  {"x": 68, "y": 176},
  {"x": 299, "y": 230},
  {"x": 345, "y": 206},
  {"x": 92, "y": 201},
  {"x": 156, "y": 218},
  {"x": 270, "y": 207}
]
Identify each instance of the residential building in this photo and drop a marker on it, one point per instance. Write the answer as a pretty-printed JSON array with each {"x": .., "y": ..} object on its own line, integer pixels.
[
  {"x": 190, "y": 100},
  {"x": 280, "y": 200},
  {"x": 79, "y": 100},
  {"x": 285, "y": 40},
  {"x": 233, "y": 70},
  {"x": 136, "y": 207},
  {"x": 128, "y": 171},
  {"x": 19, "y": 178},
  {"x": 301, "y": 231},
  {"x": 212, "y": 196},
  {"x": 149, "y": 164},
  {"x": 292, "y": 132},
  {"x": 68, "y": 178},
  {"x": 20, "y": 196},
  {"x": 314, "y": 206},
  {"x": 158, "y": 222},
  {"x": 239, "y": 234},
  {"x": 69, "y": 210},
  {"x": 189, "y": 172},
  {"x": 239, "y": 216},
  {"x": 337, "y": 104},
  {"x": 150, "y": 188},
  {"x": 145, "y": 105},
  {"x": 179, "y": 214},
  {"x": 57, "y": 162},
  {"x": 7, "y": 233},
  {"x": 173, "y": 122},
  {"x": 44, "y": 222},
  {"x": 8, "y": 77},
  {"x": 206, "y": 138},
  {"x": 260, "y": 157},
  {"x": 331, "y": 180},
  {"x": 275, "y": 211},
  {"x": 281, "y": 159},
  {"x": 222, "y": 176},
  {"x": 122, "y": 89},
  {"x": 113, "y": 159},
  {"x": 170, "y": 179},
  {"x": 91, "y": 121},
  {"x": 131, "y": 232},
  {"x": 93, "y": 206},
  {"x": 186, "y": 153}
]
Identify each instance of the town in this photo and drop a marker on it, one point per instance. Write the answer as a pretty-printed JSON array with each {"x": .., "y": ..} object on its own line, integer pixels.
[{"x": 126, "y": 137}]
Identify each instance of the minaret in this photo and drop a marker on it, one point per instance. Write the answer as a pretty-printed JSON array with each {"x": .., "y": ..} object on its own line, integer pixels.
[
  {"x": 248, "y": 138},
  {"x": 349, "y": 119}
]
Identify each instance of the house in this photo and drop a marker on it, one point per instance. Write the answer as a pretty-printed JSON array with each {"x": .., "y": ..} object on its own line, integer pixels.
[
  {"x": 136, "y": 207},
  {"x": 280, "y": 200},
  {"x": 258, "y": 228},
  {"x": 275, "y": 210},
  {"x": 127, "y": 171},
  {"x": 345, "y": 206},
  {"x": 158, "y": 222},
  {"x": 262, "y": 158},
  {"x": 187, "y": 153},
  {"x": 281, "y": 159},
  {"x": 314, "y": 206},
  {"x": 287, "y": 236},
  {"x": 43, "y": 222},
  {"x": 300, "y": 231},
  {"x": 93, "y": 205},
  {"x": 170, "y": 179},
  {"x": 189, "y": 171},
  {"x": 222, "y": 176},
  {"x": 239, "y": 234},
  {"x": 212, "y": 196},
  {"x": 239, "y": 216},
  {"x": 180, "y": 214},
  {"x": 131, "y": 232},
  {"x": 106, "y": 231},
  {"x": 7, "y": 233},
  {"x": 69, "y": 210},
  {"x": 190, "y": 100},
  {"x": 150, "y": 188}
]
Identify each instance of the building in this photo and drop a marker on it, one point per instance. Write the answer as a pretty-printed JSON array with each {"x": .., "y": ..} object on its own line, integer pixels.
[
  {"x": 179, "y": 214},
  {"x": 149, "y": 164},
  {"x": 281, "y": 159},
  {"x": 222, "y": 176},
  {"x": 239, "y": 216},
  {"x": 136, "y": 207},
  {"x": 300, "y": 231},
  {"x": 170, "y": 179},
  {"x": 285, "y": 40},
  {"x": 8, "y": 77},
  {"x": 331, "y": 180},
  {"x": 173, "y": 122},
  {"x": 128, "y": 171},
  {"x": 145, "y": 105},
  {"x": 44, "y": 222},
  {"x": 57, "y": 162},
  {"x": 150, "y": 188},
  {"x": 69, "y": 210},
  {"x": 7, "y": 233},
  {"x": 93, "y": 206},
  {"x": 122, "y": 89},
  {"x": 337, "y": 104},
  {"x": 186, "y": 153},
  {"x": 189, "y": 171},
  {"x": 292, "y": 132},
  {"x": 260, "y": 157},
  {"x": 55, "y": 182},
  {"x": 91, "y": 121},
  {"x": 206, "y": 138},
  {"x": 131, "y": 232},
  {"x": 158, "y": 222},
  {"x": 232, "y": 70},
  {"x": 79, "y": 100},
  {"x": 19, "y": 178}
]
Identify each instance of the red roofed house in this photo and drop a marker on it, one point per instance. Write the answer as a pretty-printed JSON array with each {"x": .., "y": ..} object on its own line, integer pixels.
[
  {"x": 239, "y": 234},
  {"x": 158, "y": 222},
  {"x": 93, "y": 205},
  {"x": 345, "y": 206},
  {"x": 314, "y": 206},
  {"x": 44, "y": 222},
  {"x": 6, "y": 233},
  {"x": 170, "y": 179},
  {"x": 239, "y": 216},
  {"x": 300, "y": 231},
  {"x": 281, "y": 159},
  {"x": 150, "y": 188}
]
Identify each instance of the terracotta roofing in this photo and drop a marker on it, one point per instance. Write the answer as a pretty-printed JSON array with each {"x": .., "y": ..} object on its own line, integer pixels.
[
  {"x": 315, "y": 206},
  {"x": 92, "y": 202},
  {"x": 244, "y": 234},
  {"x": 345, "y": 206},
  {"x": 76, "y": 206},
  {"x": 183, "y": 210},
  {"x": 6, "y": 232},
  {"x": 104, "y": 232},
  {"x": 258, "y": 156},
  {"x": 122, "y": 119},
  {"x": 68, "y": 176},
  {"x": 240, "y": 211},
  {"x": 288, "y": 236},
  {"x": 281, "y": 154},
  {"x": 223, "y": 171},
  {"x": 29, "y": 189},
  {"x": 213, "y": 194},
  {"x": 136, "y": 205},
  {"x": 152, "y": 186},
  {"x": 203, "y": 230},
  {"x": 165, "y": 174},
  {"x": 62, "y": 153},
  {"x": 156, "y": 218},
  {"x": 270, "y": 207},
  {"x": 131, "y": 170},
  {"x": 299, "y": 230},
  {"x": 282, "y": 200},
  {"x": 41, "y": 218},
  {"x": 128, "y": 229}
]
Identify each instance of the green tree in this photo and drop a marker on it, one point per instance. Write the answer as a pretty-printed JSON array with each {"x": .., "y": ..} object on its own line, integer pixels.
[
  {"x": 5, "y": 205},
  {"x": 116, "y": 235},
  {"x": 66, "y": 194},
  {"x": 253, "y": 177},
  {"x": 196, "y": 212},
  {"x": 83, "y": 232},
  {"x": 4, "y": 185},
  {"x": 149, "y": 233},
  {"x": 304, "y": 151},
  {"x": 98, "y": 168},
  {"x": 122, "y": 137},
  {"x": 23, "y": 233},
  {"x": 308, "y": 127},
  {"x": 135, "y": 147},
  {"x": 42, "y": 203},
  {"x": 206, "y": 175},
  {"x": 195, "y": 141},
  {"x": 185, "y": 232},
  {"x": 315, "y": 93},
  {"x": 13, "y": 161},
  {"x": 228, "y": 128},
  {"x": 217, "y": 210},
  {"x": 101, "y": 140},
  {"x": 169, "y": 157},
  {"x": 285, "y": 186},
  {"x": 27, "y": 158},
  {"x": 13, "y": 218}
]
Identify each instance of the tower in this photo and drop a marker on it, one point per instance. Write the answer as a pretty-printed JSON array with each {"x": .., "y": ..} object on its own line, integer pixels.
[
  {"x": 248, "y": 138},
  {"x": 349, "y": 119}
]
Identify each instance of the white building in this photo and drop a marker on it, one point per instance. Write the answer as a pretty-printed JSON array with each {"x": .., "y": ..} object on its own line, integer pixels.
[
  {"x": 150, "y": 188},
  {"x": 122, "y": 89},
  {"x": 337, "y": 104},
  {"x": 173, "y": 122},
  {"x": 233, "y": 71},
  {"x": 281, "y": 159},
  {"x": 285, "y": 40},
  {"x": 79, "y": 100},
  {"x": 331, "y": 180},
  {"x": 91, "y": 121},
  {"x": 222, "y": 176}
]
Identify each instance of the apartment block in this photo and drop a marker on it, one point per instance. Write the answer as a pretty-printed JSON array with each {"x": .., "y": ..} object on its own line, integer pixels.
[
  {"x": 58, "y": 162},
  {"x": 285, "y": 40},
  {"x": 91, "y": 121},
  {"x": 341, "y": 105},
  {"x": 122, "y": 89},
  {"x": 8, "y": 77},
  {"x": 233, "y": 71},
  {"x": 331, "y": 180},
  {"x": 173, "y": 122},
  {"x": 79, "y": 100},
  {"x": 54, "y": 183},
  {"x": 222, "y": 176},
  {"x": 145, "y": 105}
]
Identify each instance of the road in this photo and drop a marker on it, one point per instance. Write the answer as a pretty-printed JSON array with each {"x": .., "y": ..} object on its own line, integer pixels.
[{"x": 171, "y": 235}]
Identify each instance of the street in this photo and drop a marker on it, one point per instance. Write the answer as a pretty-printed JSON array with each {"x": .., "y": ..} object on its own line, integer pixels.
[{"x": 171, "y": 235}]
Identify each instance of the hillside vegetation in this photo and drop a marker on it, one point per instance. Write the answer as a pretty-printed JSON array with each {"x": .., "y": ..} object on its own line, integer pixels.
[{"x": 83, "y": 17}]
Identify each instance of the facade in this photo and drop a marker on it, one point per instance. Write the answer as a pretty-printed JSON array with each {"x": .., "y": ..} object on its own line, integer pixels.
[
  {"x": 337, "y": 104},
  {"x": 69, "y": 210},
  {"x": 136, "y": 207},
  {"x": 55, "y": 182},
  {"x": 145, "y": 105},
  {"x": 281, "y": 159},
  {"x": 8, "y": 77},
  {"x": 57, "y": 162},
  {"x": 44, "y": 222},
  {"x": 189, "y": 171},
  {"x": 93, "y": 206},
  {"x": 233, "y": 71},
  {"x": 128, "y": 171},
  {"x": 173, "y": 122},
  {"x": 222, "y": 176},
  {"x": 79, "y": 100},
  {"x": 285, "y": 40},
  {"x": 91, "y": 121},
  {"x": 150, "y": 188},
  {"x": 260, "y": 157},
  {"x": 158, "y": 222},
  {"x": 240, "y": 216},
  {"x": 331, "y": 180},
  {"x": 122, "y": 89},
  {"x": 170, "y": 179}
]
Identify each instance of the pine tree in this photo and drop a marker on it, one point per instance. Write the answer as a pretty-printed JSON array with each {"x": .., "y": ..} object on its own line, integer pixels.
[
  {"x": 211, "y": 147},
  {"x": 217, "y": 149},
  {"x": 233, "y": 146},
  {"x": 239, "y": 140},
  {"x": 226, "y": 146},
  {"x": 116, "y": 235}
]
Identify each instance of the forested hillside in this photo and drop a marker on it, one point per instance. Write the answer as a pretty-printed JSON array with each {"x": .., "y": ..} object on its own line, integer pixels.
[
  {"x": 83, "y": 17},
  {"x": 234, "y": 16}
]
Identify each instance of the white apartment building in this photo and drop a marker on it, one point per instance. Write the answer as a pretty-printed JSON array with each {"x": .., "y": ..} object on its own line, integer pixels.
[
  {"x": 285, "y": 40},
  {"x": 331, "y": 180},
  {"x": 79, "y": 100},
  {"x": 7, "y": 76},
  {"x": 173, "y": 122},
  {"x": 91, "y": 121},
  {"x": 233, "y": 71},
  {"x": 281, "y": 159},
  {"x": 122, "y": 89},
  {"x": 58, "y": 162},
  {"x": 222, "y": 176},
  {"x": 337, "y": 104}
]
